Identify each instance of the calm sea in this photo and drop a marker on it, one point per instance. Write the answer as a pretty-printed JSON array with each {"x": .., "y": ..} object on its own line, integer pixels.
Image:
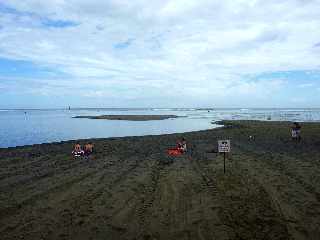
[{"x": 26, "y": 127}]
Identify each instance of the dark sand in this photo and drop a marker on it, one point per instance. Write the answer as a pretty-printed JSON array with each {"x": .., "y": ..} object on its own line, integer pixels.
[
  {"x": 130, "y": 117},
  {"x": 129, "y": 189}
]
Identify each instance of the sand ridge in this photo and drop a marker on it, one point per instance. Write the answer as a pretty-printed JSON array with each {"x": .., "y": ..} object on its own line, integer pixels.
[{"x": 130, "y": 117}]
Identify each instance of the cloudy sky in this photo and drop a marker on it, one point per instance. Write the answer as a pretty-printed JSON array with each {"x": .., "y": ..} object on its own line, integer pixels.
[{"x": 160, "y": 53}]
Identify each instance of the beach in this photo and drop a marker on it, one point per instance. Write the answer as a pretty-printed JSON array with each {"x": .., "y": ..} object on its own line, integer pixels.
[{"x": 129, "y": 188}]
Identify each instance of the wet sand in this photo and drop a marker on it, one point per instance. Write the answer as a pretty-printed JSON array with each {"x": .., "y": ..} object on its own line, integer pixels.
[
  {"x": 130, "y": 189},
  {"x": 130, "y": 117}
]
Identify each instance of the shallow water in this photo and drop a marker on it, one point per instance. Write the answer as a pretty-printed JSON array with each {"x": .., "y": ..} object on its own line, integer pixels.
[{"x": 25, "y": 127}]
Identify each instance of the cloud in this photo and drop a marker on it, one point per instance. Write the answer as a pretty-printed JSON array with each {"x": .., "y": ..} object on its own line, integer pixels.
[
  {"x": 152, "y": 50},
  {"x": 306, "y": 85}
]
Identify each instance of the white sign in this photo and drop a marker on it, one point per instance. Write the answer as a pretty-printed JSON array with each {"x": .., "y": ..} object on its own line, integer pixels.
[{"x": 224, "y": 146}]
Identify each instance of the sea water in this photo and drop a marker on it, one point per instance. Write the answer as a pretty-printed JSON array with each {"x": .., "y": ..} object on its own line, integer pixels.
[{"x": 26, "y": 127}]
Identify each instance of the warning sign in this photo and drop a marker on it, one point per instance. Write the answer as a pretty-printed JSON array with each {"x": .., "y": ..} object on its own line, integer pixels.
[{"x": 224, "y": 146}]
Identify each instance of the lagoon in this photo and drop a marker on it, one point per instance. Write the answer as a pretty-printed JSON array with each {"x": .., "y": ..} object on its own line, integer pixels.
[{"x": 20, "y": 127}]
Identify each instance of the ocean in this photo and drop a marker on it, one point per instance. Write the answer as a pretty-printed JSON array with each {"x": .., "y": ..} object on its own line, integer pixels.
[{"x": 26, "y": 127}]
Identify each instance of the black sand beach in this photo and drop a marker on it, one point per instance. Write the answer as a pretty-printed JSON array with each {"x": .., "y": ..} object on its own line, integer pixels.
[{"x": 130, "y": 189}]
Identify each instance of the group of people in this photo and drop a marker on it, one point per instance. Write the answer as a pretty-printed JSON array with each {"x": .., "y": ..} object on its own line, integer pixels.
[
  {"x": 86, "y": 151},
  {"x": 180, "y": 148}
]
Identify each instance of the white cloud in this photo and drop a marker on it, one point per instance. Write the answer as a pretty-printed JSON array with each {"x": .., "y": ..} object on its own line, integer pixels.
[
  {"x": 188, "y": 47},
  {"x": 306, "y": 85}
]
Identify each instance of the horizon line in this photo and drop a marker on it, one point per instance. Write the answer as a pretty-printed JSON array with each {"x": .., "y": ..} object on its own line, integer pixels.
[{"x": 153, "y": 108}]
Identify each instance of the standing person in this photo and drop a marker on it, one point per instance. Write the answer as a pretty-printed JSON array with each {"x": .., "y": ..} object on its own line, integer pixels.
[
  {"x": 296, "y": 131},
  {"x": 293, "y": 132}
]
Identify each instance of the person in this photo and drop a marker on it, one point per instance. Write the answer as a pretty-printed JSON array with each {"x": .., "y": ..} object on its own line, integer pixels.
[
  {"x": 296, "y": 131},
  {"x": 88, "y": 149},
  {"x": 184, "y": 145},
  {"x": 181, "y": 148},
  {"x": 77, "y": 151},
  {"x": 293, "y": 132}
]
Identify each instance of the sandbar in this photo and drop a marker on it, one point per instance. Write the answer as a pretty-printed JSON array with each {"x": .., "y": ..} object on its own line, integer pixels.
[{"x": 130, "y": 117}]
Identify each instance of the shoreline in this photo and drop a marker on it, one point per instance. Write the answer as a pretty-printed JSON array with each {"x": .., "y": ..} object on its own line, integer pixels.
[
  {"x": 222, "y": 123},
  {"x": 102, "y": 139},
  {"x": 131, "y": 189}
]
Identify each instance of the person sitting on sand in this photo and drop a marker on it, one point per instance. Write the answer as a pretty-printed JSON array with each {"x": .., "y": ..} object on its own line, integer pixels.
[
  {"x": 88, "y": 149},
  {"x": 77, "y": 152},
  {"x": 184, "y": 145},
  {"x": 181, "y": 148}
]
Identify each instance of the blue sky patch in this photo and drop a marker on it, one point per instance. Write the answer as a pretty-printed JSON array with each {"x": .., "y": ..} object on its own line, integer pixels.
[
  {"x": 44, "y": 21},
  {"x": 292, "y": 76},
  {"x": 5, "y": 9},
  {"x": 124, "y": 45},
  {"x": 19, "y": 68},
  {"x": 58, "y": 23}
]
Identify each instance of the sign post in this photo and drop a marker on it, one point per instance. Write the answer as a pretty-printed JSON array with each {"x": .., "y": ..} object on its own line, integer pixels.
[
  {"x": 224, "y": 162},
  {"x": 224, "y": 146}
]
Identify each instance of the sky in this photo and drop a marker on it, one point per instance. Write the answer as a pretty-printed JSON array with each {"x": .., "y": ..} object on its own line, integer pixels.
[{"x": 160, "y": 53}]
